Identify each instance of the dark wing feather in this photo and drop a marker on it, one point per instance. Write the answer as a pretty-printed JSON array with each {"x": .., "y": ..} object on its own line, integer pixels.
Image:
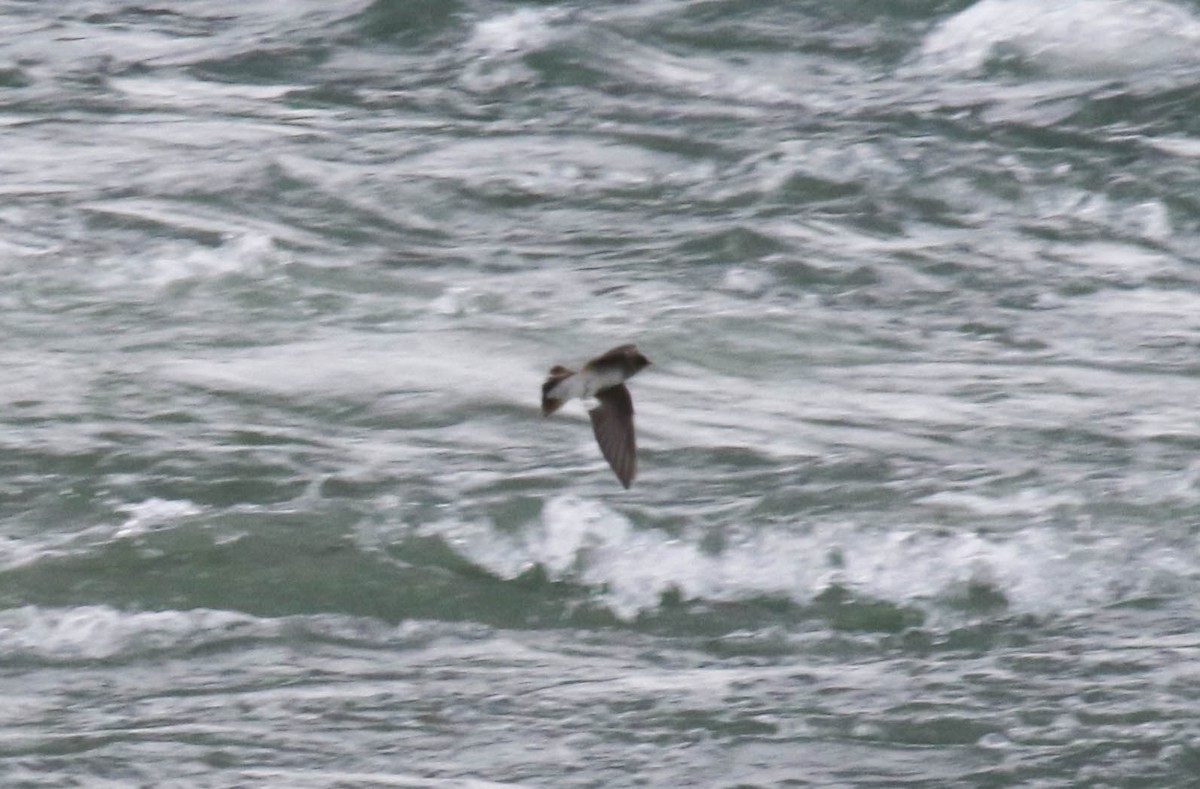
[
  {"x": 612, "y": 422},
  {"x": 615, "y": 357}
]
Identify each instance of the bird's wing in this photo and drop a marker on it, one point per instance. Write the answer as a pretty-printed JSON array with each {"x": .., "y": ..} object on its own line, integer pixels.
[
  {"x": 612, "y": 422},
  {"x": 613, "y": 356}
]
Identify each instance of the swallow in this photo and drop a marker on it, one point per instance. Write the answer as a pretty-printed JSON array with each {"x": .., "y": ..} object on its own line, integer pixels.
[{"x": 612, "y": 421}]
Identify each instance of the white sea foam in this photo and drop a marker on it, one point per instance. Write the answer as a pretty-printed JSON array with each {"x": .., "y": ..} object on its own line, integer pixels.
[
  {"x": 514, "y": 31},
  {"x": 99, "y": 631},
  {"x": 150, "y": 513},
  {"x": 1078, "y": 38},
  {"x": 1039, "y": 569},
  {"x": 309, "y": 777},
  {"x": 142, "y": 517},
  {"x": 745, "y": 281},
  {"x": 498, "y": 43},
  {"x": 164, "y": 265},
  {"x": 449, "y": 363}
]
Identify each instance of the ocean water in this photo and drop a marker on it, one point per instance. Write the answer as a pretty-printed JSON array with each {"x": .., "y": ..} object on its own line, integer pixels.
[{"x": 919, "y": 492}]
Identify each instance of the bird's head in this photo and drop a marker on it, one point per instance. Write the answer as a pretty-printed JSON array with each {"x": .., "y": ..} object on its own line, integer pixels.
[{"x": 637, "y": 361}]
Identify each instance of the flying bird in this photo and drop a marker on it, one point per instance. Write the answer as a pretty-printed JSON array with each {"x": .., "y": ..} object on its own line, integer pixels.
[{"x": 612, "y": 421}]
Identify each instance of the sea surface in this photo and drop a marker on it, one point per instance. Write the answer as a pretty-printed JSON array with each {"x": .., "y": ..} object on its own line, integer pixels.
[{"x": 919, "y": 491}]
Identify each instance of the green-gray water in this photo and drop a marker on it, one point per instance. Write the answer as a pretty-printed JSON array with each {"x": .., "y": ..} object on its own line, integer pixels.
[{"x": 920, "y": 450}]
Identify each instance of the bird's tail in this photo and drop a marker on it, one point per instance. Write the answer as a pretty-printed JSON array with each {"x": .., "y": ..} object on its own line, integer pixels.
[{"x": 558, "y": 374}]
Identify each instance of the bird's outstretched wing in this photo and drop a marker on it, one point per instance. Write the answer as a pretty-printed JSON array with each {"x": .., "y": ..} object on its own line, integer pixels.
[{"x": 612, "y": 422}]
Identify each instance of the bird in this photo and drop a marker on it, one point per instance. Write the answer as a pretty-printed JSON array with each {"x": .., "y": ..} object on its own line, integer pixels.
[{"x": 603, "y": 378}]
